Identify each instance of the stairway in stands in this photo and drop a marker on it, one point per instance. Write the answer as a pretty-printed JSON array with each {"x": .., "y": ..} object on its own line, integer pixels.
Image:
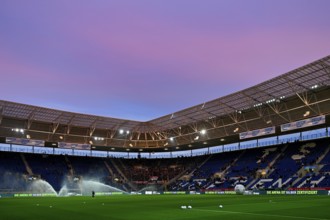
[{"x": 27, "y": 166}]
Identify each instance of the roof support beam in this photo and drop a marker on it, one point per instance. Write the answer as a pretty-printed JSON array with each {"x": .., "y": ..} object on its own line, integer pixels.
[
  {"x": 307, "y": 99},
  {"x": 277, "y": 109},
  {"x": 55, "y": 126},
  {"x": 30, "y": 118},
  {"x": 70, "y": 124},
  {"x": 1, "y": 111},
  {"x": 326, "y": 68},
  {"x": 93, "y": 127}
]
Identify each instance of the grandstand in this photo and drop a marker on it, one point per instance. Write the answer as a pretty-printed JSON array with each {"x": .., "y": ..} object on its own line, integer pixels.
[{"x": 274, "y": 135}]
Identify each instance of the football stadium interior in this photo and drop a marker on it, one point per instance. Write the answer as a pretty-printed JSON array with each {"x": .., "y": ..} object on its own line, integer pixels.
[{"x": 274, "y": 135}]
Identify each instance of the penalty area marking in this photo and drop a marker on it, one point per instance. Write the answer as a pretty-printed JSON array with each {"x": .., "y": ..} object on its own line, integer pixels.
[{"x": 269, "y": 215}]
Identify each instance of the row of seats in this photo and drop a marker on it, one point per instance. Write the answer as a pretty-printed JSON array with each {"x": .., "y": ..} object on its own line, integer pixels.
[{"x": 283, "y": 166}]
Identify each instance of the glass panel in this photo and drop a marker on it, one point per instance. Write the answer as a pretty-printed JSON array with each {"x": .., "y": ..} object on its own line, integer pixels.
[
  {"x": 96, "y": 153},
  {"x": 248, "y": 144},
  {"x": 4, "y": 147},
  {"x": 186, "y": 153},
  {"x": 267, "y": 141},
  {"x": 144, "y": 155},
  {"x": 118, "y": 154},
  {"x": 160, "y": 155},
  {"x": 314, "y": 134},
  {"x": 216, "y": 149},
  {"x": 42, "y": 150},
  {"x": 133, "y": 155},
  {"x": 198, "y": 152},
  {"x": 288, "y": 138},
  {"x": 83, "y": 153},
  {"x": 61, "y": 151},
  {"x": 230, "y": 147},
  {"x": 21, "y": 148}
]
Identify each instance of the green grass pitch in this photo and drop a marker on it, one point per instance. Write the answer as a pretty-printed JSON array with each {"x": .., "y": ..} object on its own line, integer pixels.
[{"x": 167, "y": 207}]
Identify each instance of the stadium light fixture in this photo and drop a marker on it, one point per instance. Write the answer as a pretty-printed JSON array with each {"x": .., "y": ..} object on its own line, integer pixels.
[
  {"x": 171, "y": 138},
  {"x": 18, "y": 130},
  {"x": 236, "y": 129},
  {"x": 307, "y": 113},
  {"x": 122, "y": 131},
  {"x": 196, "y": 138},
  {"x": 28, "y": 136},
  {"x": 98, "y": 138},
  {"x": 270, "y": 101},
  {"x": 315, "y": 87},
  {"x": 61, "y": 137},
  {"x": 130, "y": 144},
  {"x": 203, "y": 131}
]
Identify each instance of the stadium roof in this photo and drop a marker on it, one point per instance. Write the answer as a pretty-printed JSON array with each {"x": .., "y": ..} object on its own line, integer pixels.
[{"x": 283, "y": 99}]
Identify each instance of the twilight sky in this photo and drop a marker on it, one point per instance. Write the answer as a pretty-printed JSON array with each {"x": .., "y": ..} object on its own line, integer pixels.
[{"x": 142, "y": 59}]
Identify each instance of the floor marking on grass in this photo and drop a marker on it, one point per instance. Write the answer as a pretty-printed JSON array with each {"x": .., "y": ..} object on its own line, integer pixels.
[{"x": 269, "y": 215}]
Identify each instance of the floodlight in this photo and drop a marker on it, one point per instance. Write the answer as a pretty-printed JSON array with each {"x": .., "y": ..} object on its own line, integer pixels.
[{"x": 307, "y": 113}]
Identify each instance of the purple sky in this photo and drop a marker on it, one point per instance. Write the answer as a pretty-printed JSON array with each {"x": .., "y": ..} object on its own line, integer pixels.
[{"x": 142, "y": 59}]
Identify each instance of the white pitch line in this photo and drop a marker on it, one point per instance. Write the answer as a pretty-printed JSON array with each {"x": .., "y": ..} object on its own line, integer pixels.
[{"x": 248, "y": 213}]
